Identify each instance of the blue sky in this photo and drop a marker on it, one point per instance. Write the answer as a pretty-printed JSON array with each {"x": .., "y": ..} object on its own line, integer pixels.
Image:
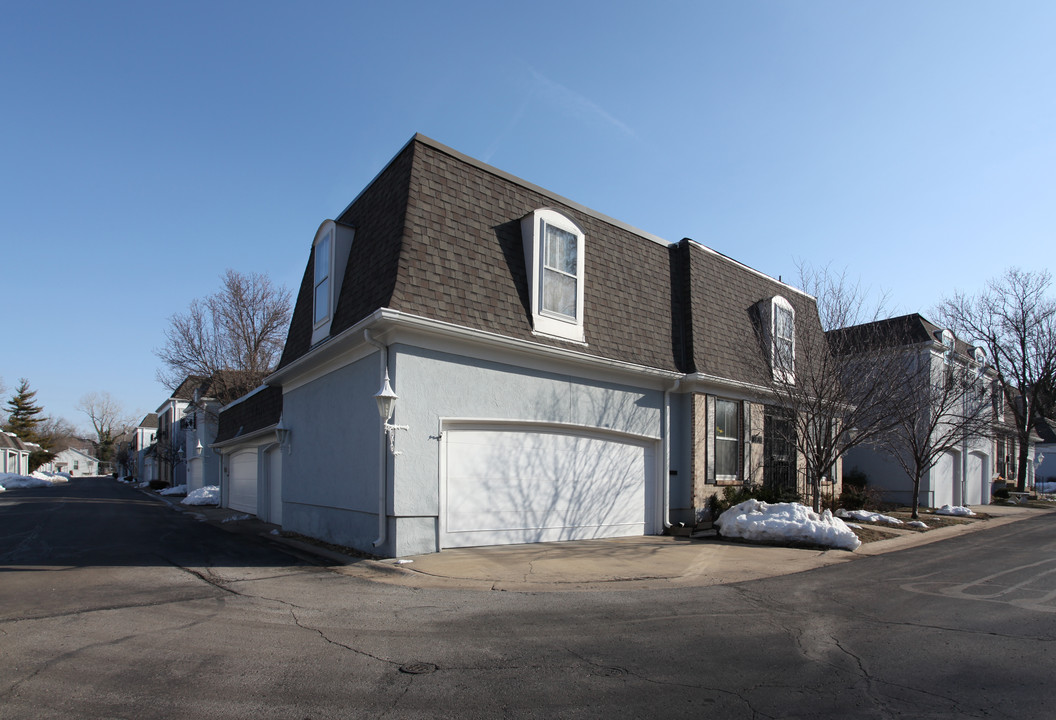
[{"x": 147, "y": 147}]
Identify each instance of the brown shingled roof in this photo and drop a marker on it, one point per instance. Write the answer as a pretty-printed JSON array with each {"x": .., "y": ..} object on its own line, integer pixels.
[
  {"x": 256, "y": 411},
  {"x": 438, "y": 235}
]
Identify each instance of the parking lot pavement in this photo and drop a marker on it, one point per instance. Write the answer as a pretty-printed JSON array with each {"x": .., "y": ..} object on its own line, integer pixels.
[{"x": 632, "y": 563}]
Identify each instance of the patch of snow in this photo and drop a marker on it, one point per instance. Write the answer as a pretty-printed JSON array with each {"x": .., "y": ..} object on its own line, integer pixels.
[
  {"x": 276, "y": 532},
  {"x": 177, "y": 490},
  {"x": 954, "y": 510},
  {"x": 36, "y": 479},
  {"x": 866, "y": 516},
  {"x": 785, "y": 523},
  {"x": 403, "y": 561},
  {"x": 854, "y": 526},
  {"x": 208, "y": 495},
  {"x": 236, "y": 518},
  {"x": 916, "y": 524}
]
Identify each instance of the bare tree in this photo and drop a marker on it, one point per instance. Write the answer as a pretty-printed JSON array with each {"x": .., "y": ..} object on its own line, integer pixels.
[
  {"x": 239, "y": 328},
  {"x": 832, "y": 397},
  {"x": 1014, "y": 320},
  {"x": 942, "y": 404},
  {"x": 109, "y": 420}
]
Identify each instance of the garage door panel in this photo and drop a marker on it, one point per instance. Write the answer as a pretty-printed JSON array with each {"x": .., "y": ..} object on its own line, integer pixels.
[
  {"x": 242, "y": 472},
  {"x": 507, "y": 486}
]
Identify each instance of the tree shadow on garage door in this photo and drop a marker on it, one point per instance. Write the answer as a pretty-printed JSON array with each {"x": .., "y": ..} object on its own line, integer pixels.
[
  {"x": 530, "y": 483},
  {"x": 100, "y": 522}
]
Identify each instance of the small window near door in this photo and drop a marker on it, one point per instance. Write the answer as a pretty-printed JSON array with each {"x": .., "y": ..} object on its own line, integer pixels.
[{"x": 727, "y": 439}]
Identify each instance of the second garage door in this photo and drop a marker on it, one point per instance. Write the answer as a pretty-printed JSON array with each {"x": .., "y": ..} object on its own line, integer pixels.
[
  {"x": 506, "y": 485},
  {"x": 242, "y": 493}
]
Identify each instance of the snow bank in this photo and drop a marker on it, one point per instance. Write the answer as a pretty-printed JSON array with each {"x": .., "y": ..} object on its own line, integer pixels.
[
  {"x": 37, "y": 478},
  {"x": 178, "y": 490},
  {"x": 866, "y": 516},
  {"x": 785, "y": 523},
  {"x": 208, "y": 495},
  {"x": 954, "y": 510}
]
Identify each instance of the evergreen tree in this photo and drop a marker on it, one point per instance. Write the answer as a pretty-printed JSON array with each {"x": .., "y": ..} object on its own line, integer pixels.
[{"x": 24, "y": 417}]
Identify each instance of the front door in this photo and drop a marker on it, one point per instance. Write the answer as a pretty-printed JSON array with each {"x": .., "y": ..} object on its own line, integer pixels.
[{"x": 779, "y": 450}]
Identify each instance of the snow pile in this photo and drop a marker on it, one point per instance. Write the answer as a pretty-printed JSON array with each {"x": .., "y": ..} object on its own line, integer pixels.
[
  {"x": 236, "y": 518},
  {"x": 785, "y": 523},
  {"x": 866, "y": 516},
  {"x": 177, "y": 490},
  {"x": 208, "y": 495},
  {"x": 917, "y": 524},
  {"x": 1045, "y": 487},
  {"x": 954, "y": 510},
  {"x": 36, "y": 479}
]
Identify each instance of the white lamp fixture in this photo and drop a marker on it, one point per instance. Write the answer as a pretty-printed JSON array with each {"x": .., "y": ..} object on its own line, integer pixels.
[
  {"x": 282, "y": 434},
  {"x": 198, "y": 448},
  {"x": 386, "y": 398}
]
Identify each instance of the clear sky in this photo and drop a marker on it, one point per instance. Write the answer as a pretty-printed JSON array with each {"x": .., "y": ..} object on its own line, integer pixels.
[{"x": 145, "y": 147}]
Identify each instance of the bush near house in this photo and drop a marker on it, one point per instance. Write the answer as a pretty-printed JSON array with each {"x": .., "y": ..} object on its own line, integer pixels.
[{"x": 736, "y": 494}]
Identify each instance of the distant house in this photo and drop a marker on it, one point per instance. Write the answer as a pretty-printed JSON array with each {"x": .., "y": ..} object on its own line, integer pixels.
[
  {"x": 14, "y": 454},
  {"x": 251, "y": 440},
  {"x": 170, "y": 451},
  {"x": 78, "y": 463},
  {"x": 557, "y": 374},
  {"x": 1045, "y": 450},
  {"x": 143, "y": 438},
  {"x": 961, "y": 476}
]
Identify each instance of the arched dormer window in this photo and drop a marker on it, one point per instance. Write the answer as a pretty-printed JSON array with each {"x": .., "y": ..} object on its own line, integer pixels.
[
  {"x": 779, "y": 333},
  {"x": 947, "y": 345},
  {"x": 553, "y": 254},
  {"x": 331, "y": 246}
]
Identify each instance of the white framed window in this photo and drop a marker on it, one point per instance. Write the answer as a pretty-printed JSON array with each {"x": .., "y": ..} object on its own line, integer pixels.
[
  {"x": 553, "y": 253},
  {"x": 727, "y": 439},
  {"x": 321, "y": 303},
  {"x": 332, "y": 244},
  {"x": 778, "y": 320}
]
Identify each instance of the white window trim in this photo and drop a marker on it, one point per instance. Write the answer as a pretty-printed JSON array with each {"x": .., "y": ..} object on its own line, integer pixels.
[
  {"x": 340, "y": 243},
  {"x": 533, "y": 233},
  {"x": 735, "y": 439},
  {"x": 787, "y": 375}
]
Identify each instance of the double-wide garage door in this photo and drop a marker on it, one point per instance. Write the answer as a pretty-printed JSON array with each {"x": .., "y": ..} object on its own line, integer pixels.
[{"x": 506, "y": 485}]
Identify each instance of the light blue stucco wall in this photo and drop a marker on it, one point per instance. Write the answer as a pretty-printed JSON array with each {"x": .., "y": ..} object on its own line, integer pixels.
[
  {"x": 330, "y": 478},
  {"x": 330, "y": 475},
  {"x": 433, "y": 385}
]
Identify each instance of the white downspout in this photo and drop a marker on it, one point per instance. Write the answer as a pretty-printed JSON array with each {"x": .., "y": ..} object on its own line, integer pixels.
[
  {"x": 383, "y": 474},
  {"x": 666, "y": 480}
]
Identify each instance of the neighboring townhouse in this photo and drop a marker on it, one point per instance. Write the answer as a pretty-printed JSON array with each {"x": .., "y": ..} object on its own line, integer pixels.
[
  {"x": 170, "y": 451},
  {"x": 962, "y": 475},
  {"x": 251, "y": 441},
  {"x": 76, "y": 462},
  {"x": 14, "y": 454},
  {"x": 1006, "y": 443},
  {"x": 1045, "y": 450},
  {"x": 144, "y": 437},
  {"x": 474, "y": 360},
  {"x": 199, "y": 429}
]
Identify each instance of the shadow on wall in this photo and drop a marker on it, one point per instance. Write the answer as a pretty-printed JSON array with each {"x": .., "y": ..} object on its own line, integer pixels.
[{"x": 525, "y": 483}]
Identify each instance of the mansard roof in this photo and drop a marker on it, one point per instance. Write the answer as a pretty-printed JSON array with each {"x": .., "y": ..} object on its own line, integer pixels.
[
  {"x": 438, "y": 235},
  {"x": 257, "y": 410}
]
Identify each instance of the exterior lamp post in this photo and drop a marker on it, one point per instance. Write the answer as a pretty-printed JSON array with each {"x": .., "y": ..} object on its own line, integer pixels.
[{"x": 386, "y": 399}]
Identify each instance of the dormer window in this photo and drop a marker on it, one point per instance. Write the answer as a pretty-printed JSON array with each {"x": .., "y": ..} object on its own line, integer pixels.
[
  {"x": 322, "y": 277},
  {"x": 332, "y": 244},
  {"x": 947, "y": 344},
  {"x": 553, "y": 253},
  {"x": 778, "y": 321}
]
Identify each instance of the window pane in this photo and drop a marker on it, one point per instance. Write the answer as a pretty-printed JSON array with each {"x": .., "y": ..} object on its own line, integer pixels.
[
  {"x": 322, "y": 259},
  {"x": 782, "y": 322},
  {"x": 559, "y": 293},
  {"x": 560, "y": 250},
  {"x": 726, "y": 457},
  {"x": 725, "y": 418},
  {"x": 783, "y": 353},
  {"x": 322, "y": 300}
]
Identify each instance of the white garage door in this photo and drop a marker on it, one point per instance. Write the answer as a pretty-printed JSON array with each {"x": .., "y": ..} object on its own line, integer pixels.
[
  {"x": 977, "y": 482},
  {"x": 242, "y": 494},
  {"x": 507, "y": 485}
]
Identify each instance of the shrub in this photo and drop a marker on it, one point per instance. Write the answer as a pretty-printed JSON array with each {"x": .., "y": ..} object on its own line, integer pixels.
[
  {"x": 736, "y": 494},
  {"x": 1001, "y": 493}
]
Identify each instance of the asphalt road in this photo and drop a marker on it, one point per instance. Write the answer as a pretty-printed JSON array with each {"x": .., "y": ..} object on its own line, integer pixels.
[{"x": 112, "y": 605}]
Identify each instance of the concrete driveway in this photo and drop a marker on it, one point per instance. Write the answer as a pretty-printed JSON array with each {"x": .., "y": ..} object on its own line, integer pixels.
[{"x": 648, "y": 563}]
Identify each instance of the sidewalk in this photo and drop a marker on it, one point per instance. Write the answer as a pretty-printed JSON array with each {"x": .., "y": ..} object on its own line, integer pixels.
[{"x": 650, "y": 562}]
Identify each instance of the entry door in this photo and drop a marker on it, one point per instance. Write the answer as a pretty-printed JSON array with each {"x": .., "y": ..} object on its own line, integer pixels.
[{"x": 779, "y": 450}]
